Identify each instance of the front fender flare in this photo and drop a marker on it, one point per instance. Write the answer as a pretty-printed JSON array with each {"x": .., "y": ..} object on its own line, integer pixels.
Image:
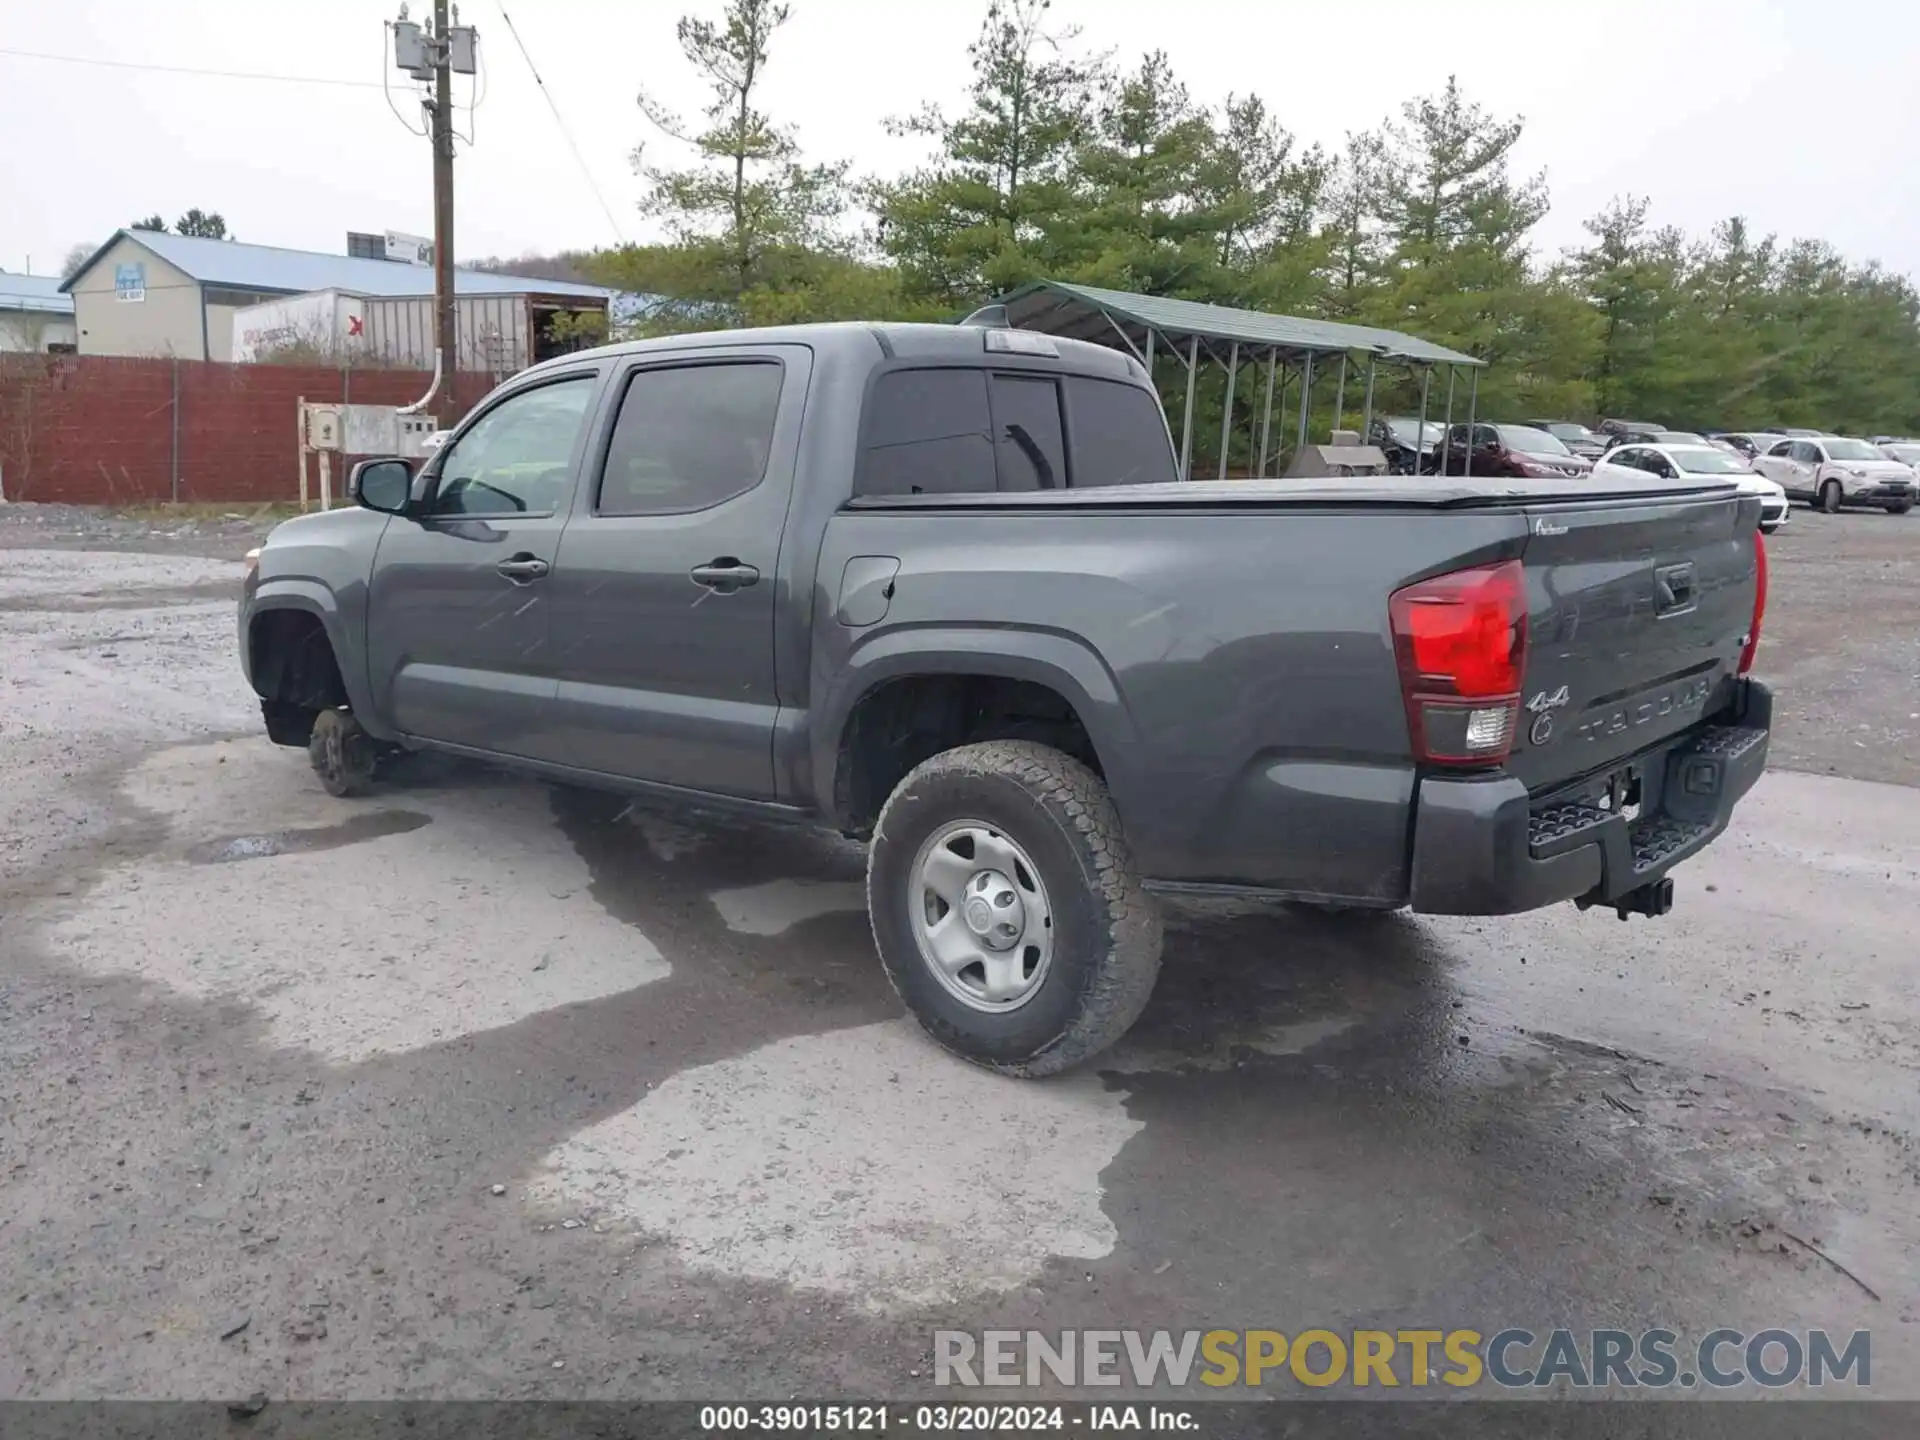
[
  {"x": 315, "y": 599},
  {"x": 1060, "y": 662}
]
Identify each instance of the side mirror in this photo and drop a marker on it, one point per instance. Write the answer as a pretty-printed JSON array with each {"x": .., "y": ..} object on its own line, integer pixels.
[{"x": 383, "y": 485}]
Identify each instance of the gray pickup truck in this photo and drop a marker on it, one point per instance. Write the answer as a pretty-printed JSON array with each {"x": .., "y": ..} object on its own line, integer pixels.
[{"x": 938, "y": 587}]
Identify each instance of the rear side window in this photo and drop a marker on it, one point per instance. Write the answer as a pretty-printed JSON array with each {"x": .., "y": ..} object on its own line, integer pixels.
[
  {"x": 1029, "y": 441},
  {"x": 928, "y": 432},
  {"x": 1119, "y": 437},
  {"x": 689, "y": 437}
]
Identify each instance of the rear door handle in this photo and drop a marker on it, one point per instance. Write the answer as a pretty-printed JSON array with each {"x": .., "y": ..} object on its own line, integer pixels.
[
  {"x": 725, "y": 575},
  {"x": 524, "y": 569}
]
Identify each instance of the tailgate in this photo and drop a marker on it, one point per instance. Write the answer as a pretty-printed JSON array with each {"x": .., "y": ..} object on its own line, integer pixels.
[{"x": 1638, "y": 611}]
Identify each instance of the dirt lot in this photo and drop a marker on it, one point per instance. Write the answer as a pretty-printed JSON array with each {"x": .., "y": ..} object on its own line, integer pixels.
[{"x": 267, "y": 1055}]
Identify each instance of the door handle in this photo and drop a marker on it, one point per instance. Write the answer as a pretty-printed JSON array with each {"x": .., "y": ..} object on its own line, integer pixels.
[
  {"x": 1673, "y": 585},
  {"x": 725, "y": 575},
  {"x": 523, "y": 569}
]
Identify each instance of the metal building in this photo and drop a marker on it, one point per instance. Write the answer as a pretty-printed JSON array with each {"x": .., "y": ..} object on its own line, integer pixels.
[{"x": 147, "y": 292}]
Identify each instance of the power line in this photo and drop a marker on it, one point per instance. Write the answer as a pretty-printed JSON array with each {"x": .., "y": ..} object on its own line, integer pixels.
[
  {"x": 560, "y": 120},
  {"x": 187, "y": 69}
]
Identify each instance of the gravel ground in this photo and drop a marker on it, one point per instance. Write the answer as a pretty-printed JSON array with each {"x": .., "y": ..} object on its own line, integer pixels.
[{"x": 269, "y": 1057}]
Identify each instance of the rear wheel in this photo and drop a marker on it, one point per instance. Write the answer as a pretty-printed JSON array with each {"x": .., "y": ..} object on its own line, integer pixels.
[
  {"x": 343, "y": 754},
  {"x": 1830, "y": 497},
  {"x": 1006, "y": 908}
]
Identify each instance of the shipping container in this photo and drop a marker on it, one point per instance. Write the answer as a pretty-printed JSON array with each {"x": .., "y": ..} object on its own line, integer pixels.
[
  {"x": 323, "y": 326},
  {"x": 495, "y": 335},
  {"x": 491, "y": 333}
]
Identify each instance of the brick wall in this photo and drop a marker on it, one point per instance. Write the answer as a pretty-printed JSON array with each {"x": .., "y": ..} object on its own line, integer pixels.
[{"x": 94, "y": 429}]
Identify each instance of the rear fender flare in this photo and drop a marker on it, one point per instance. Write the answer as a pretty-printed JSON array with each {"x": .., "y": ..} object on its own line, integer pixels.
[{"x": 1063, "y": 664}]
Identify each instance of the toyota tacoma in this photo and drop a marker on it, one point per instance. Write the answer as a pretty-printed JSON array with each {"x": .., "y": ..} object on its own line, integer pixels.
[{"x": 939, "y": 588}]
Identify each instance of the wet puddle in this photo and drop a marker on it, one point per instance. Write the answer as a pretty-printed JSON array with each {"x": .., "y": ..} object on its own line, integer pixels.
[{"x": 370, "y": 826}]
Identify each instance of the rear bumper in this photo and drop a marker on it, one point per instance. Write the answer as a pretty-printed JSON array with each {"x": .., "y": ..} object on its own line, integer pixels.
[{"x": 1487, "y": 847}]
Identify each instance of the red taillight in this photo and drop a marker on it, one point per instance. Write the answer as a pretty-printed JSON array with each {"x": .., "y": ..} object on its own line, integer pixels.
[
  {"x": 1759, "y": 601},
  {"x": 1461, "y": 644}
]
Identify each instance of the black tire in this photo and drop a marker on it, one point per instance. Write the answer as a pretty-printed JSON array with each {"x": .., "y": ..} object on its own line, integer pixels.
[
  {"x": 1830, "y": 497},
  {"x": 343, "y": 754},
  {"x": 1900, "y": 509},
  {"x": 1106, "y": 930}
]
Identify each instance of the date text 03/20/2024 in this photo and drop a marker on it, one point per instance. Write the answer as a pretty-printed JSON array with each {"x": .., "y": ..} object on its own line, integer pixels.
[{"x": 941, "y": 1419}]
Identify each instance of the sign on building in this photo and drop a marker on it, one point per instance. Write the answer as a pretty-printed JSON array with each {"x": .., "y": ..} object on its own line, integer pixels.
[
  {"x": 409, "y": 249},
  {"x": 130, "y": 282}
]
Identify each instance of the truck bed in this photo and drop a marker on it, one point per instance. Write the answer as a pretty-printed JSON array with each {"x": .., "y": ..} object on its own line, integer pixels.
[{"x": 1371, "y": 492}]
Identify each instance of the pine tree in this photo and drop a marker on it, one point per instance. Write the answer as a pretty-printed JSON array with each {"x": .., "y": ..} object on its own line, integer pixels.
[
  {"x": 748, "y": 201},
  {"x": 994, "y": 206}
]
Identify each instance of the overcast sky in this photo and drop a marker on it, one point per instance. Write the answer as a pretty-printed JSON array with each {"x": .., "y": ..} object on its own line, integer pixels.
[{"x": 1804, "y": 115}]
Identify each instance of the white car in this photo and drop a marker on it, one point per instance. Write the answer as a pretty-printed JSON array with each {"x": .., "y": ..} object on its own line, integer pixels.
[
  {"x": 1833, "y": 470},
  {"x": 1705, "y": 462}
]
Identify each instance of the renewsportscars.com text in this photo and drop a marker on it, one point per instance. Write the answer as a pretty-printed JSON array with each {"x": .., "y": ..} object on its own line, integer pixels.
[{"x": 1510, "y": 1358}]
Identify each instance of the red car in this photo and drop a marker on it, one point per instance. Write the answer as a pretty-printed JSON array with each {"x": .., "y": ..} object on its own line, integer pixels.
[{"x": 1512, "y": 450}]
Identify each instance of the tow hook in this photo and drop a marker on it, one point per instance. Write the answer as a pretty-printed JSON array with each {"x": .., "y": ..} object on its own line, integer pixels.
[{"x": 1652, "y": 899}]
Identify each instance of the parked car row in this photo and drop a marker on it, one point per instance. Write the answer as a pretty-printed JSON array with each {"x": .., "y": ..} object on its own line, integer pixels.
[
  {"x": 1673, "y": 461},
  {"x": 1826, "y": 471}
]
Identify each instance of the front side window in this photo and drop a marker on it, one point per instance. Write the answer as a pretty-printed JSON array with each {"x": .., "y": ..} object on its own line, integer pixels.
[
  {"x": 1805, "y": 453},
  {"x": 689, "y": 437},
  {"x": 517, "y": 459}
]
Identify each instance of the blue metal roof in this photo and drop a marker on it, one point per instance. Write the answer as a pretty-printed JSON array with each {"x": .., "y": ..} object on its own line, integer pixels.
[
  {"x": 34, "y": 292},
  {"x": 296, "y": 272}
]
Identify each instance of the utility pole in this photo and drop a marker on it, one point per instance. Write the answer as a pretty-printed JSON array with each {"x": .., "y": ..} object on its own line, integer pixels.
[
  {"x": 436, "y": 54},
  {"x": 444, "y": 315}
]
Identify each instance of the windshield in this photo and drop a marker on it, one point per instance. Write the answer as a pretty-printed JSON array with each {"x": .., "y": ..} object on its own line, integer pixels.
[
  {"x": 1705, "y": 460},
  {"x": 1852, "y": 450},
  {"x": 1568, "y": 432},
  {"x": 1533, "y": 442},
  {"x": 1403, "y": 430},
  {"x": 1906, "y": 454}
]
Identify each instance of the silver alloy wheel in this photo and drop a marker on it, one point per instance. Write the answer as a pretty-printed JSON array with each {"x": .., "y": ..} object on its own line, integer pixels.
[{"x": 981, "y": 916}]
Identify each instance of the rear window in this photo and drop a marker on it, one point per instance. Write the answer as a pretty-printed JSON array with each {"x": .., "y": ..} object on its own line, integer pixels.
[
  {"x": 928, "y": 433},
  {"x": 1030, "y": 443},
  {"x": 1119, "y": 435}
]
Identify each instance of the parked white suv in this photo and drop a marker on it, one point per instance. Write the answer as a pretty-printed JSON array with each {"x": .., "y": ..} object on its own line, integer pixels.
[
  {"x": 1671, "y": 462},
  {"x": 1834, "y": 470}
]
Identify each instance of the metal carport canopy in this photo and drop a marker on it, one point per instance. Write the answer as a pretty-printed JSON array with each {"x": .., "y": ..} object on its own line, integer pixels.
[
  {"x": 1182, "y": 327},
  {"x": 1084, "y": 312}
]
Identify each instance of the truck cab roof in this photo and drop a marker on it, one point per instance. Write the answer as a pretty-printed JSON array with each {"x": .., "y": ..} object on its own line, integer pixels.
[{"x": 853, "y": 341}]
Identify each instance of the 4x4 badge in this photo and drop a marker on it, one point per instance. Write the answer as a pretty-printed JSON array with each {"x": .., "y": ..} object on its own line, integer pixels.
[{"x": 1542, "y": 706}]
